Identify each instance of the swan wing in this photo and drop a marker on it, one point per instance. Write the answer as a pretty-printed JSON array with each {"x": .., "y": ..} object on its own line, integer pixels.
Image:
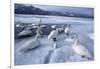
[
  {"x": 81, "y": 50},
  {"x": 29, "y": 45},
  {"x": 25, "y": 32}
]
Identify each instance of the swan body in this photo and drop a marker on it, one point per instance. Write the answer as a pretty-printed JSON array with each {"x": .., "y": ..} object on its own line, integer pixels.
[
  {"x": 30, "y": 45},
  {"x": 25, "y": 32},
  {"x": 81, "y": 50},
  {"x": 67, "y": 30},
  {"x": 53, "y": 34}
]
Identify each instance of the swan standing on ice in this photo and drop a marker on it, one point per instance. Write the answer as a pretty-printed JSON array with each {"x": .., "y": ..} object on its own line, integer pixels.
[
  {"x": 67, "y": 30},
  {"x": 80, "y": 49},
  {"x": 53, "y": 35}
]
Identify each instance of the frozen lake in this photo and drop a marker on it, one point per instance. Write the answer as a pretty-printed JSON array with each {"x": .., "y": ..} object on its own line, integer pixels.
[
  {"x": 63, "y": 53},
  {"x": 51, "y": 19}
]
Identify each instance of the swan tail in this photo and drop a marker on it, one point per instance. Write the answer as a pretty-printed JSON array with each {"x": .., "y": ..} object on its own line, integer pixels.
[{"x": 88, "y": 57}]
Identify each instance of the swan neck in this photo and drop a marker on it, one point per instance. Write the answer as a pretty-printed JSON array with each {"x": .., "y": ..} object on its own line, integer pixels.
[{"x": 75, "y": 43}]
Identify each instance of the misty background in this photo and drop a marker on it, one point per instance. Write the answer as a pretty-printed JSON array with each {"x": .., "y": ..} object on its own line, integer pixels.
[{"x": 54, "y": 10}]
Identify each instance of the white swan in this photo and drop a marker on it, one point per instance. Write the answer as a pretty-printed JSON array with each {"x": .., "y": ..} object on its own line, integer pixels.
[
  {"x": 53, "y": 35},
  {"x": 53, "y": 26},
  {"x": 67, "y": 30},
  {"x": 80, "y": 49},
  {"x": 33, "y": 43}
]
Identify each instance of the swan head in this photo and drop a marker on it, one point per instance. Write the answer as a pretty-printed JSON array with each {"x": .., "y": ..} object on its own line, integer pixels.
[{"x": 53, "y": 27}]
